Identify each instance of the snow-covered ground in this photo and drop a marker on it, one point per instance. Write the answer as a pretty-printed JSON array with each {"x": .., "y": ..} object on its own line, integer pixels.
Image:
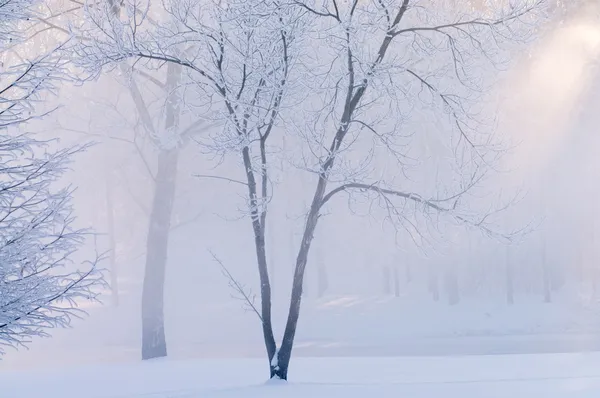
[
  {"x": 515, "y": 376},
  {"x": 348, "y": 326},
  {"x": 349, "y": 347}
]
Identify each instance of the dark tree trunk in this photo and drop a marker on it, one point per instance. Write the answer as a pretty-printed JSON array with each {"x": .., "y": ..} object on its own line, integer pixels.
[
  {"x": 353, "y": 98},
  {"x": 396, "y": 282},
  {"x": 285, "y": 352},
  {"x": 386, "y": 281},
  {"x": 259, "y": 230},
  {"x": 271, "y": 260}
]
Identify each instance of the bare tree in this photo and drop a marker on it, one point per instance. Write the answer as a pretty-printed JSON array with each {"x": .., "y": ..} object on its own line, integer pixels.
[
  {"x": 40, "y": 285},
  {"x": 342, "y": 81}
]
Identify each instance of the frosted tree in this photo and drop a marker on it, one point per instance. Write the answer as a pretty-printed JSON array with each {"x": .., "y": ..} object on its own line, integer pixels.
[
  {"x": 378, "y": 101},
  {"x": 40, "y": 284}
]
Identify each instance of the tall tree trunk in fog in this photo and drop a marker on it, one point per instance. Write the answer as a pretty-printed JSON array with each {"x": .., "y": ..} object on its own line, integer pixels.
[
  {"x": 154, "y": 343},
  {"x": 451, "y": 285},
  {"x": 153, "y": 329},
  {"x": 432, "y": 283},
  {"x": 547, "y": 285},
  {"x": 509, "y": 279},
  {"x": 386, "y": 281},
  {"x": 396, "y": 282},
  {"x": 112, "y": 246}
]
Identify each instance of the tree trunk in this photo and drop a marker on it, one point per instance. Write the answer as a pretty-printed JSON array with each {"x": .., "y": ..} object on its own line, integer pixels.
[
  {"x": 547, "y": 288},
  {"x": 396, "y": 282},
  {"x": 509, "y": 280},
  {"x": 386, "y": 281},
  {"x": 153, "y": 330},
  {"x": 112, "y": 246},
  {"x": 433, "y": 284},
  {"x": 546, "y": 275},
  {"x": 271, "y": 262},
  {"x": 285, "y": 352},
  {"x": 259, "y": 229},
  {"x": 279, "y": 366},
  {"x": 154, "y": 343},
  {"x": 451, "y": 285}
]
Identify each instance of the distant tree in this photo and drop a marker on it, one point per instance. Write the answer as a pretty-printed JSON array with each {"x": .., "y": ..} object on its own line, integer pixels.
[
  {"x": 39, "y": 283},
  {"x": 341, "y": 80}
]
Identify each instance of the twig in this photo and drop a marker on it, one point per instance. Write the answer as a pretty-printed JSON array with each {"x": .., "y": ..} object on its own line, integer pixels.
[
  {"x": 220, "y": 178},
  {"x": 239, "y": 288}
]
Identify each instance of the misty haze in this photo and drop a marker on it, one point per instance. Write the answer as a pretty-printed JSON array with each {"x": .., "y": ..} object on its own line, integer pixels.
[{"x": 299, "y": 198}]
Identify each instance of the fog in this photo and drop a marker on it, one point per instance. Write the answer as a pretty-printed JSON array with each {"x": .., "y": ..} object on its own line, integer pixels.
[{"x": 371, "y": 288}]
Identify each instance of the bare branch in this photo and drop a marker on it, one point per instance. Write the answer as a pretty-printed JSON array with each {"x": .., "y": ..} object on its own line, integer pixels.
[
  {"x": 221, "y": 178},
  {"x": 237, "y": 287}
]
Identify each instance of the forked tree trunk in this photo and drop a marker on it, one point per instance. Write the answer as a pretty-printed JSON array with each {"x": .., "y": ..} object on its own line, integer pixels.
[
  {"x": 280, "y": 364},
  {"x": 154, "y": 343}
]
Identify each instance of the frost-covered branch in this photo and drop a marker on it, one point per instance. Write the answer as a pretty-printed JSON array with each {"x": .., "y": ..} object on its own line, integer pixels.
[{"x": 41, "y": 283}]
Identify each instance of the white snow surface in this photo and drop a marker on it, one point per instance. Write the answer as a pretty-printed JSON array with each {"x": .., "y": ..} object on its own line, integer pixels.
[
  {"x": 502, "y": 376},
  {"x": 350, "y": 326}
]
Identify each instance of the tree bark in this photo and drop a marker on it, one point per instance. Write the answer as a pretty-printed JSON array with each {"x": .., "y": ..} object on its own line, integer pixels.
[
  {"x": 259, "y": 229},
  {"x": 285, "y": 352}
]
